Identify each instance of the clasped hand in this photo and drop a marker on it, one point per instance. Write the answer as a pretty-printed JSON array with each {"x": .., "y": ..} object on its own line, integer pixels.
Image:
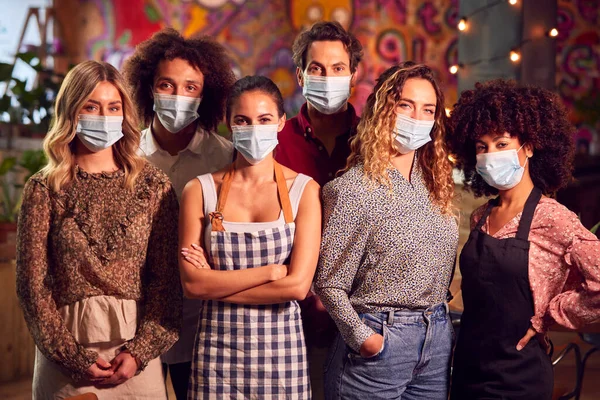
[{"x": 120, "y": 369}]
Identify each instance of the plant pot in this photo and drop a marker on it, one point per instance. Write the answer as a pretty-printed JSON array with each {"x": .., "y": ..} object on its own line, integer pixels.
[
  {"x": 8, "y": 232},
  {"x": 8, "y": 239}
]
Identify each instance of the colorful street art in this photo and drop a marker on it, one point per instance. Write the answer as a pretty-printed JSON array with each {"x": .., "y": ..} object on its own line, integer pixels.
[
  {"x": 578, "y": 67},
  {"x": 259, "y": 34}
]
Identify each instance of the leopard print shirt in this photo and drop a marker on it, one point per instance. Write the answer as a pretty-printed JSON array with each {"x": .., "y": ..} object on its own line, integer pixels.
[
  {"x": 382, "y": 249},
  {"x": 94, "y": 238}
]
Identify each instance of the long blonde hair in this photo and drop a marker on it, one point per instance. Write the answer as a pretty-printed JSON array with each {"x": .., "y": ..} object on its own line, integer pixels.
[
  {"x": 373, "y": 143},
  {"x": 77, "y": 87}
]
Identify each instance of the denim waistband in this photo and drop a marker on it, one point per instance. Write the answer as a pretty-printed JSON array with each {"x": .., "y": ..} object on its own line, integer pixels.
[{"x": 433, "y": 313}]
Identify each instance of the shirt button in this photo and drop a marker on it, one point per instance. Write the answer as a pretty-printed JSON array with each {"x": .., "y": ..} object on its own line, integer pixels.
[
  {"x": 320, "y": 148},
  {"x": 330, "y": 174},
  {"x": 309, "y": 129}
]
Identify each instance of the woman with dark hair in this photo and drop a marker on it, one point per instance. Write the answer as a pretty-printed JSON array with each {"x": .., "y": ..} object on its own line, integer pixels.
[
  {"x": 389, "y": 245},
  {"x": 180, "y": 87},
  {"x": 254, "y": 229},
  {"x": 528, "y": 263},
  {"x": 97, "y": 269}
]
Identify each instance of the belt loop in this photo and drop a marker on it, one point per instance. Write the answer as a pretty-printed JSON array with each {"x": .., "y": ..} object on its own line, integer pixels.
[{"x": 390, "y": 318}]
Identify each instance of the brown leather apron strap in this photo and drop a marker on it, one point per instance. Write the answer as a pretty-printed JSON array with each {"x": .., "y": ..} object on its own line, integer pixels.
[
  {"x": 216, "y": 217},
  {"x": 284, "y": 196}
]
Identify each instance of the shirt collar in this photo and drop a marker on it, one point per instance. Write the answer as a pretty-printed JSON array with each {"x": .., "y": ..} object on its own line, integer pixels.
[
  {"x": 304, "y": 121},
  {"x": 149, "y": 145}
]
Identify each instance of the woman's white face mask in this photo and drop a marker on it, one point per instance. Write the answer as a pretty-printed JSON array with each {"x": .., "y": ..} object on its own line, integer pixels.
[
  {"x": 99, "y": 132},
  {"x": 255, "y": 142},
  {"x": 501, "y": 169}
]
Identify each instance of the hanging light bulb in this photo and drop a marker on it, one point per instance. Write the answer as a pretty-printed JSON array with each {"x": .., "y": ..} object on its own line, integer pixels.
[
  {"x": 553, "y": 32},
  {"x": 515, "y": 56},
  {"x": 462, "y": 24},
  {"x": 453, "y": 69},
  {"x": 512, "y": 2}
]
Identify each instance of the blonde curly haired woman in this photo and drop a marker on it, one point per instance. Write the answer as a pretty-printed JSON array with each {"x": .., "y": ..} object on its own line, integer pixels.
[
  {"x": 97, "y": 272},
  {"x": 389, "y": 245}
]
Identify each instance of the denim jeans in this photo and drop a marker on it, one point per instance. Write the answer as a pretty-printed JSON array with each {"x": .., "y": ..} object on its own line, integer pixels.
[{"x": 413, "y": 364}]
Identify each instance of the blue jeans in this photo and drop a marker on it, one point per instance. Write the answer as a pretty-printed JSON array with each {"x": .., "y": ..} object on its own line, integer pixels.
[{"x": 413, "y": 364}]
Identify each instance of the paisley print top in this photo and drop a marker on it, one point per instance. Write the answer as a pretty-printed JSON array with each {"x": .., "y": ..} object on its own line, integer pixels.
[{"x": 98, "y": 238}]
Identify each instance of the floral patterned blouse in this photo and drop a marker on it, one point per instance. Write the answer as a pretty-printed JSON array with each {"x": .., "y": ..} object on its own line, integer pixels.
[
  {"x": 97, "y": 238},
  {"x": 564, "y": 265}
]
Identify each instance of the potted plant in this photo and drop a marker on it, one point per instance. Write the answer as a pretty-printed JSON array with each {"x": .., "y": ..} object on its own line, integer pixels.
[
  {"x": 14, "y": 172},
  {"x": 28, "y": 112}
]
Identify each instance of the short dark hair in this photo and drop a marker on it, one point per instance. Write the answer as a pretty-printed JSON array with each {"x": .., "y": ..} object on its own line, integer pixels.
[
  {"x": 252, "y": 83},
  {"x": 535, "y": 115},
  {"x": 326, "y": 31},
  {"x": 202, "y": 52}
]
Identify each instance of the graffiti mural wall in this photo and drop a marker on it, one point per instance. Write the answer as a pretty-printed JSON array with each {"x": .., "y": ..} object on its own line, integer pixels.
[
  {"x": 578, "y": 68},
  {"x": 259, "y": 33}
]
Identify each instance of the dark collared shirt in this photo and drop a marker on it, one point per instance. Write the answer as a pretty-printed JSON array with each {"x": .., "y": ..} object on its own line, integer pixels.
[{"x": 300, "y": 150}]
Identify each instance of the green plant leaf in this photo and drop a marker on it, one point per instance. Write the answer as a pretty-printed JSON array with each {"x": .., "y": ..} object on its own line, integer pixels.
[
  {"x": 19, "y": 88},
  {"x": 33, "y": 161},
  {"x": 6, "y": 71},
  {"x": 8, "y": 203},
  {"x": 7, "y": 164},
  {"x": 28, "y": 57},
  {"x": 5, "y": 103},
  {"x": 595, "y": 228}
]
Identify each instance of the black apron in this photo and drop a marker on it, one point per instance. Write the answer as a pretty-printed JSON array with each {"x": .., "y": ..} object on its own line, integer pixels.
[{"x": 498, "y": 306}]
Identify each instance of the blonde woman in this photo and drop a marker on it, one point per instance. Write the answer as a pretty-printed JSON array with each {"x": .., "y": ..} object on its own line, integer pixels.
[
  {"x": 388, "y": 248},
  {"x": 97, "y": 269}
]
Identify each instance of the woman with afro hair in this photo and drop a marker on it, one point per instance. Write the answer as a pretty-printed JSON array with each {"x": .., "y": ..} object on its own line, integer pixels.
[{"x": 528, "y": 263}]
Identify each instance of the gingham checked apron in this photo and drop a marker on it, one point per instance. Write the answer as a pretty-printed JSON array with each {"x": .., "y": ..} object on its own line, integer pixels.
[{"x": 250, "y": 351}]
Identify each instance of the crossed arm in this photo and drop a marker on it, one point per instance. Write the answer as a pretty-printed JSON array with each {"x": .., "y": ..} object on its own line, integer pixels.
[{"x": 268, "y": 284}]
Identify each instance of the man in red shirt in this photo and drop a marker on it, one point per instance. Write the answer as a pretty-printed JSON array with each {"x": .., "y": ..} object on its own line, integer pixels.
[{"x": 316, "y": 143}]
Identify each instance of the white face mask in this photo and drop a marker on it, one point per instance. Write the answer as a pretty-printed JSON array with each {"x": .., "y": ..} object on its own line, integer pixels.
[
  {"x": 176, "y": 112},
  {"x": 255, "y": 142},
  {"x": 501, "y": 169},
  {"x": 98, "y": 132},
  {"x": 411, "y": 134},
  {"x": 327, "y": 94}
]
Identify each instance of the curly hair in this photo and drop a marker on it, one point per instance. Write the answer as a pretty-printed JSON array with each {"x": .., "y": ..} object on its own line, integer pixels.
[
  {"x": 534, "y": 115},
  {"x": 326, "y": 31},
  {"x": 202, "y": 52},
  {"x": 373, "y": 143},
  {"x": 74, "y": 92}
]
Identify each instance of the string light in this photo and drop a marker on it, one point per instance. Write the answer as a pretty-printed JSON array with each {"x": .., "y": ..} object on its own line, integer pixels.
[
  {"x": 462, "y": 24},
  {"x": 514, "y": 56}
]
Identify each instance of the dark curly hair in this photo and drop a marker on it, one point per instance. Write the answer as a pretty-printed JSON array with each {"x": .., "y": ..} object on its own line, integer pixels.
[
  {"x": 202, "y": 52},
  {"x": 535, "y": 115},
  {"x": 326, "y": 31}
]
